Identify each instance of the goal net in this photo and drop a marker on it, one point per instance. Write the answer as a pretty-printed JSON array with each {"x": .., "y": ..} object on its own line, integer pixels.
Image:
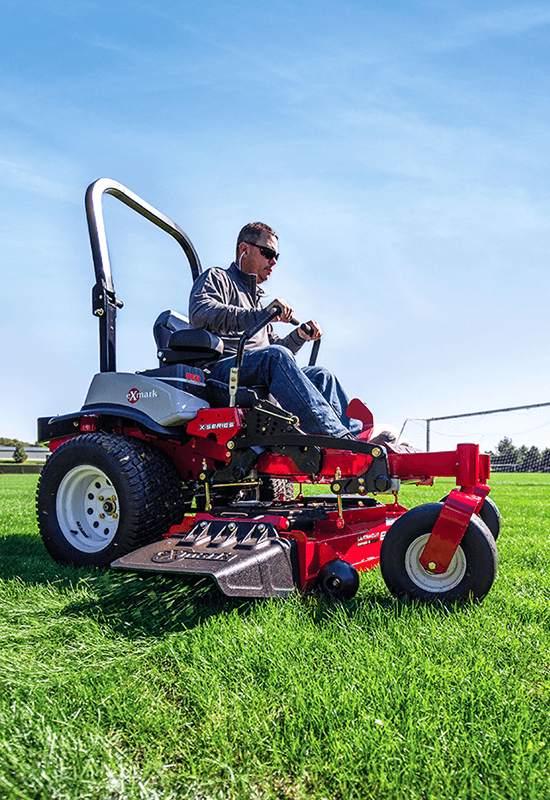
[{"x": 518, "y": 439}]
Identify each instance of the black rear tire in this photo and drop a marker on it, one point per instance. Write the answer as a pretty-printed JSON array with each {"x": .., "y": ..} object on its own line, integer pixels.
[
  {"x": 101, "y": 496},
  {"x": 470, "y": 574}
]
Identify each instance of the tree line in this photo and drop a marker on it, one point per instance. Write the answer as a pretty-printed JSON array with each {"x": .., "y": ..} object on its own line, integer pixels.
[{"x": 508, "y": 458}]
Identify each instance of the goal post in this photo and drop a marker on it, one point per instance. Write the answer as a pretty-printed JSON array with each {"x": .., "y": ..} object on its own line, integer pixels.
[{"x": 518, "y": 437}]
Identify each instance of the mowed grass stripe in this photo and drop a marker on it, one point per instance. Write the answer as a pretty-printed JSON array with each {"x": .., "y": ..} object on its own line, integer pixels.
[{"x": 121, "y": 686}]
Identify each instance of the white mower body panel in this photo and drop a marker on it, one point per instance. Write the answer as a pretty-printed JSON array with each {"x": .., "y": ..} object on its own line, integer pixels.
[{"x": 163, "y": 403}]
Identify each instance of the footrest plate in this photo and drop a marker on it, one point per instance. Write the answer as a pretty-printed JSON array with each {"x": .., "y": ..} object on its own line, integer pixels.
[{"x": 246, "y": 558}]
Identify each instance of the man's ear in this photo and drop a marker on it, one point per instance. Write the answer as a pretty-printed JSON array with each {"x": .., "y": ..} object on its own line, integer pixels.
[{"x": 241, "y": 251}]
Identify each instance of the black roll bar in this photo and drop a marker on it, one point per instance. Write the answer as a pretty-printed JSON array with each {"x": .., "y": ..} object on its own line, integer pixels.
[{"x": 104, "y": 301}]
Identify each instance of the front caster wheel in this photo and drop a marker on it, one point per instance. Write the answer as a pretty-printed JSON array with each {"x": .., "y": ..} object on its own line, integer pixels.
[
  {"x": 470, "y": 574},
  {"x": 338, "y": 580},
  {"x": 102, "y": 495},
  {"x": 490, "y": 515}
]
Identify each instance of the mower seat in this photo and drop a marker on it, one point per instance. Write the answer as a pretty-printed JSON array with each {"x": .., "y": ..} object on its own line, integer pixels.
[{"x": 178, "y": 343}]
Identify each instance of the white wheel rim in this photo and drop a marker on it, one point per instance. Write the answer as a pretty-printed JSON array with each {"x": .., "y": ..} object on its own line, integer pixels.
[
  {"x": 428, "y": 581},
  {"x": 88, "y": 509}
]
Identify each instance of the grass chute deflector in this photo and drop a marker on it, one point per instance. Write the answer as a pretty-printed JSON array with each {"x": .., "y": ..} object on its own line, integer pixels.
[{"x": 168, "y": 470}]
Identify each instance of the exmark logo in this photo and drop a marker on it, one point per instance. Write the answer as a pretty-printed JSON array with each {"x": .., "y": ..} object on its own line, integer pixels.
[{"x": 134, "y": 395}]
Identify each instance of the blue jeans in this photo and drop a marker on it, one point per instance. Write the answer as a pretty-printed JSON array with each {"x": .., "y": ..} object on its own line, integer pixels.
[{"x": 313, "y": 394}]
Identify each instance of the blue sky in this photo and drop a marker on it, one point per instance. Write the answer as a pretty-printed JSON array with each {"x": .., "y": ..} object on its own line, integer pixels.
[{"x": 400, "y": 150}]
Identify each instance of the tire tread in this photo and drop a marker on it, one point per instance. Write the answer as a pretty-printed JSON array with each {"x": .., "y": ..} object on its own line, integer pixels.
[{"x": 150, "y": 489}]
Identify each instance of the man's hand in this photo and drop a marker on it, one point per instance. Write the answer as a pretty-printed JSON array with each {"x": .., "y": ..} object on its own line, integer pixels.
[
  {"x": 314, "y": 328},
  {"x": 287, "y": 312}
]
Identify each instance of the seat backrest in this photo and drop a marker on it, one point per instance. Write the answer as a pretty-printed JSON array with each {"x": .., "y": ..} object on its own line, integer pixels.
[
  {"x": 179, "y": 343},
  {"x": 165, "y": 325}
]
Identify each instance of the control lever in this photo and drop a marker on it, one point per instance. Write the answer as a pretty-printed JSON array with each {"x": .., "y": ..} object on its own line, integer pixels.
[
  {"x": 248, "y": 334},
  {"x": 316, "y": 344}
]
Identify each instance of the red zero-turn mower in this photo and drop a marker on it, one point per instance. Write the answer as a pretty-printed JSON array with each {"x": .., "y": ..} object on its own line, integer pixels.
[{"x": 164, "y": 471}]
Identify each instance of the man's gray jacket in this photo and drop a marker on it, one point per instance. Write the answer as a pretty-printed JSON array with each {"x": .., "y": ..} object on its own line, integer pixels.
[{"x": 226, "y": 302}]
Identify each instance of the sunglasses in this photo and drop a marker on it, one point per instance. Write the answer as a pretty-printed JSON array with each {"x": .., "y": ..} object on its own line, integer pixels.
[{"x": 267, "y": 252}]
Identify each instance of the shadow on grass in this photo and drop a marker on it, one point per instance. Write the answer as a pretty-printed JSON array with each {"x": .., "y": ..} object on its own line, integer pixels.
[
  {"x": 137, "y": 603},
  {"x": 128, "y": 596},
  {"x": 141, "y": 603},
  {"x": 24, "y": 556}
]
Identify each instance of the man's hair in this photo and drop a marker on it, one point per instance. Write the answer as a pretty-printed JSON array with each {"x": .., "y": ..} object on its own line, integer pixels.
[{"x": 253, "y": 233}]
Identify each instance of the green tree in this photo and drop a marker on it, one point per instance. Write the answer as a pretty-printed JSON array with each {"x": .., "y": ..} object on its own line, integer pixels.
[
  {"x": 19, "y": 454},
  {"x": 505, "y": 457},
  {"x": 532, "y": 460},
  {"x": 545, "y": 460},
  {"x": 522, "y": 459},
  {"x": 506, "y": 447}
]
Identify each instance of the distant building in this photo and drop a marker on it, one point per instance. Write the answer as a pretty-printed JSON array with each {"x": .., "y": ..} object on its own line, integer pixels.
[{"x": 34, "y": 453}]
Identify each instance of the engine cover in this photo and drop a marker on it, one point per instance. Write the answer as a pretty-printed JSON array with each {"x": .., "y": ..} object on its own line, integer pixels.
[{"x": 163, "y": 403}]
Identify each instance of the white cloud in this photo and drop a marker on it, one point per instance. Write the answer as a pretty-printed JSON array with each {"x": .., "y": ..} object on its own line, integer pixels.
[{"x": 24, "y": 176}]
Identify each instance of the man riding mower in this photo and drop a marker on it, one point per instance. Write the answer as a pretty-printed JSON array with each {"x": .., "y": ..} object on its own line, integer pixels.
[{"x": 176, "y": 470}]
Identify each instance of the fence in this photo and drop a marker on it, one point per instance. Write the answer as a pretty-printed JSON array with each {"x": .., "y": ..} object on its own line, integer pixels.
[{"x": 20, "y": 469}]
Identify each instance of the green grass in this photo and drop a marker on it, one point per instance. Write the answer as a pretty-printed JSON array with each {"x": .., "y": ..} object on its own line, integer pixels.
[{"x": 117, "y": 686}]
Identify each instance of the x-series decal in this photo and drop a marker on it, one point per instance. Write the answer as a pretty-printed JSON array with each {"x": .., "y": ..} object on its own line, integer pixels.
[{"x": 216, "y": 425}]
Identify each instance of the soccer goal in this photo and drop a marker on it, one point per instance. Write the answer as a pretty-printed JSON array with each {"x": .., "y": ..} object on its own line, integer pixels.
[{"x": 518, "y": 438}]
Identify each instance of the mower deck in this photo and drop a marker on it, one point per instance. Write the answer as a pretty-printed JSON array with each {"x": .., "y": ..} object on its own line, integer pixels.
[{"x": 269, "y": 549}]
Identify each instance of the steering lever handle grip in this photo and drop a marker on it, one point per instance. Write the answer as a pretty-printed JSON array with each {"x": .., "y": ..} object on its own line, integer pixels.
[
  {"x": 303, "y": 325},
  {"x": 316, "y": 344}
]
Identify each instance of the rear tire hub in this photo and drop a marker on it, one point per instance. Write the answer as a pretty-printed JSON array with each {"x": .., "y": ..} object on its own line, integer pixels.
[{"x": 88, "y": 508}]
